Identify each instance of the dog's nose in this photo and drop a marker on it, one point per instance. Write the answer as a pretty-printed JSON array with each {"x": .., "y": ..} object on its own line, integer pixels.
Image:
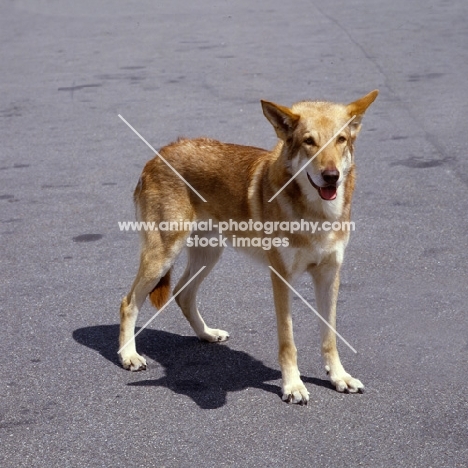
[{"x": 330, "y": 176}]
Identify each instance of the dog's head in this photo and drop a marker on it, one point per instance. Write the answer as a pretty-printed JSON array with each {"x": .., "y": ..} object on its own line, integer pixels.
[{"x": 321, "y": 136}]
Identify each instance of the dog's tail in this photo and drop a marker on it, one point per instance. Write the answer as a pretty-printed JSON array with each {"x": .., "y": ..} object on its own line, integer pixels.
[{"x": 161, "y": 292}]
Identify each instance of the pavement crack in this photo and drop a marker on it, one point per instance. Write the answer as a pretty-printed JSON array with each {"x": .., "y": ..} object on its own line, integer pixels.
[{"x": 429, "y": 137}]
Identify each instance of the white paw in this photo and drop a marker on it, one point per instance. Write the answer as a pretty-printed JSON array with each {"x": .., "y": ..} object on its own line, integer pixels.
[
  {"x": 295, "y": 393},
  {"x": 133, "y": 362},
  {"x": 343, "y": 382},
  {"x": 214, "y": 336}
]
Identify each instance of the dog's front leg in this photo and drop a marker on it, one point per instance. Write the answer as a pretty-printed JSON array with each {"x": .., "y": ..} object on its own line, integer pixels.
[
  {"x": 327, "y": 281},
  {"x": 294, "y": 390}
]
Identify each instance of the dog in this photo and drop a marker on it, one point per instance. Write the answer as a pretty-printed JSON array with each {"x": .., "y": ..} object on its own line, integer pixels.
[{"x": 204, "y": 179}]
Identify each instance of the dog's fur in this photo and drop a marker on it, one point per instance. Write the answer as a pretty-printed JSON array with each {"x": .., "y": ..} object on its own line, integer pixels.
[{"x": 237, "y": 182}]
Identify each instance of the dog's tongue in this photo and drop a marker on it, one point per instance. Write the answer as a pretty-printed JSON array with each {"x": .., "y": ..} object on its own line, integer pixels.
[{"x": 328, "y": 193}]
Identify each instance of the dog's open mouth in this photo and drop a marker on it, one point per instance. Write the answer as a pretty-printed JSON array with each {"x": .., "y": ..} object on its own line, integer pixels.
[{"x": 326, "y": 193}]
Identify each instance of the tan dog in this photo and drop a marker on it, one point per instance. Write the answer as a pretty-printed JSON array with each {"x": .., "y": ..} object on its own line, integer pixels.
[{"x": 237, "y": 183}]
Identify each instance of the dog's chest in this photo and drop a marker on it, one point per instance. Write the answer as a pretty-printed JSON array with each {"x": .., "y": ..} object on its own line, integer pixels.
[{"x": 303, "y": 253}]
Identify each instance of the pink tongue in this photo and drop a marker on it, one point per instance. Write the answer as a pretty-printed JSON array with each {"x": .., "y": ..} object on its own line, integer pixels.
[{"x": 328, "y": 193}]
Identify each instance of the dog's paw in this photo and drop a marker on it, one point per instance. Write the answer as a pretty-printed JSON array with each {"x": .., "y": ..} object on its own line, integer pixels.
[
  {"x": 295, "y": 393},
  {"x": 343, "y": 382},
  {"x": 134, "y": 362},
  {"x": 214, "y": 336}
]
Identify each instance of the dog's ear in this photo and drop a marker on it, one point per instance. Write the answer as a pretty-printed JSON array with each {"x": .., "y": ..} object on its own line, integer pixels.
[
  {"x": 358, "y": 108},
  {"x": 283, "y": 120}
]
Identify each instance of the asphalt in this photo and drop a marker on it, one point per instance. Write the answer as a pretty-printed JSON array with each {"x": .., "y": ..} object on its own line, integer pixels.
[{"x": 68, "y": 166}]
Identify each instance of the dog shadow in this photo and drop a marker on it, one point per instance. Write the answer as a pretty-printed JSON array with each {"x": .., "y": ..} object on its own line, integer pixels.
[{"x": 204, "y": 372}]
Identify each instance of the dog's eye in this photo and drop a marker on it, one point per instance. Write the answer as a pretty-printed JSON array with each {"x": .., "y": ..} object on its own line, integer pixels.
[
  {"x": 341, "y": 139},
  {"x": 310, "y": 141}
]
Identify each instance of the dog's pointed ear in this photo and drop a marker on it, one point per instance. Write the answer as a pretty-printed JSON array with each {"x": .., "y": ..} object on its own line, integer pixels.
[
  {"x": 358, "y": 108},
  {"x": 283, "y": 120}
]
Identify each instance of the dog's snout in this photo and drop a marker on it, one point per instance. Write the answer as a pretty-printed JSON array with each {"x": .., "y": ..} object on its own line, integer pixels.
[{"x": 330, "y": 176}]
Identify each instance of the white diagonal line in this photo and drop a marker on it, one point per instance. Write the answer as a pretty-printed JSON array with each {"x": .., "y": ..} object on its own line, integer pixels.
[
  {"x": 312, "y": 309},
  {"x": 311, "y": 159},
  {"x": 147, "y": 144},
  {"x": 162, "y": 308}
]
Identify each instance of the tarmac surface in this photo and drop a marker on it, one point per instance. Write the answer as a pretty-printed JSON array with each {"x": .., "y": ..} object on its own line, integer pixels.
[{"x": 68, "y": 166}]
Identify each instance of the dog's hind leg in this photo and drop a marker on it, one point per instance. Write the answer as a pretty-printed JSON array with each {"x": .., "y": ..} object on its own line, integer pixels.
[
  {"x": 197, "y": 258},
  {"x": 155, "y": 261}
]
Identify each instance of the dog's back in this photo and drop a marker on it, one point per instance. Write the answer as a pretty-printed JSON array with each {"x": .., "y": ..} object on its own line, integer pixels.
[{"x": 222, "y": 173}]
